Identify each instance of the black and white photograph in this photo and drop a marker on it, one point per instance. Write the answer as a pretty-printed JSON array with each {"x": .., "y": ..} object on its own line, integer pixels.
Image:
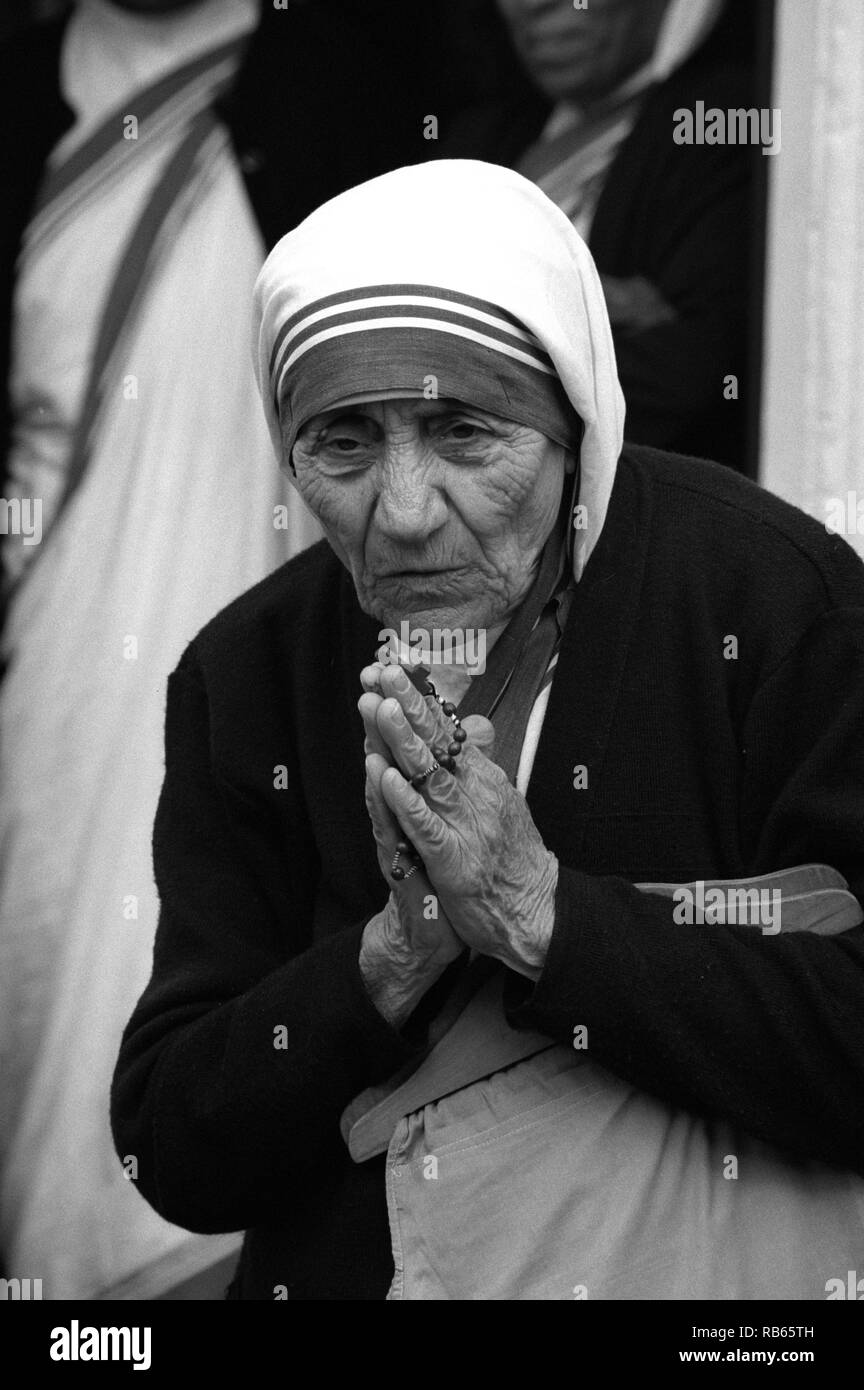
[{"x": 432, "y": 668}]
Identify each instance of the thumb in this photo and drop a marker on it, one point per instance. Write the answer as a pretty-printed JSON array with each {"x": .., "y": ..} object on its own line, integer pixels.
[{"x": 481, "y": 733}]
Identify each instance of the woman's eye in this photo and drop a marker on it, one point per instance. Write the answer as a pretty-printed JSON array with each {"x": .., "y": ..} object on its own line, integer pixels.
[
  {"x": 343, "y": 443},
  {"x": 344, "y": 446},
  {"x": 464, "y": 430},
  {"x": 345, "y": 456}
]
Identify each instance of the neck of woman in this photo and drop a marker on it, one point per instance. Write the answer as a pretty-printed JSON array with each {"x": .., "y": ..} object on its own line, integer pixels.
[{"x": 452, "y": 678}]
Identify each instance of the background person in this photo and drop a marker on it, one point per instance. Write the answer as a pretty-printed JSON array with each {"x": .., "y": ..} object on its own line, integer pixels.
[{"x": 669, "y": 225}]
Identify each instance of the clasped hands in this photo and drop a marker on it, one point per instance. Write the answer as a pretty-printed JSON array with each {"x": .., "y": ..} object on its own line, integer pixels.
[{"x": 484, "y": 865}]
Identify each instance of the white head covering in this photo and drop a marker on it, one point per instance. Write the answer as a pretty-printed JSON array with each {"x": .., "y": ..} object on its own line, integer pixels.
[{"x": 473, "y": 232}]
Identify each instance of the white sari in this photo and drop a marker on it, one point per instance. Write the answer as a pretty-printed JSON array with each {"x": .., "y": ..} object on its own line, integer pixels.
[{"x": 175, "y": 515}]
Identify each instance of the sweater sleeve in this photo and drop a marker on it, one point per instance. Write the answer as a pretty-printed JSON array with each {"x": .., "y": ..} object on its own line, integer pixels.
[
  {"x": 247, "y": 1044},
  {"x": 764, "y": 1030}
]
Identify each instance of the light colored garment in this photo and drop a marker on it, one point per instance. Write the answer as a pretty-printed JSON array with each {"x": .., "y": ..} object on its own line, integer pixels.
[
  {"x": 518, "y": 1169},
  {"x": 556, "y": 1180},
  {"x": 173, "y": 518}
]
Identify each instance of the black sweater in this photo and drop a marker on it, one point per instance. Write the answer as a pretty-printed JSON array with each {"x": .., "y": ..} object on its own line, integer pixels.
[{"x": 698, "y": 767}]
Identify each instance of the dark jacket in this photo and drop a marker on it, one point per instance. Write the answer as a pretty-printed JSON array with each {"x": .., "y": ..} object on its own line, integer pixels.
[{"x": 698, "y": 766}]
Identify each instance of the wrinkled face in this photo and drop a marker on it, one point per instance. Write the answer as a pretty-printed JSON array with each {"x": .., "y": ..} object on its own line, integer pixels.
[
  {"x": 438, "y": 510},
  {"x": 582, "y": 54}
]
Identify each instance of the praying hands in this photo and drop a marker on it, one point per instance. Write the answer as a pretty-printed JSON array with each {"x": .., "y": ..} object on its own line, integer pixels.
[{"x": 482, "y": 862}]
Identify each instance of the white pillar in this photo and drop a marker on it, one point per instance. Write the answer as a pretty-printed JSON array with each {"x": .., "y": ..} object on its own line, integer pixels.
[{"x": 812, "y": 429}]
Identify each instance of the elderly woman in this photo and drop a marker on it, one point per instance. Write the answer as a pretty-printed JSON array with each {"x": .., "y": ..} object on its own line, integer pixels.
[{"x": 408, "y": 928}]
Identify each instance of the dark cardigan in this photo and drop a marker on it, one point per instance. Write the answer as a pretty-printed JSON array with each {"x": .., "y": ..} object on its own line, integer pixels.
[{"x": 698, "y": 766}]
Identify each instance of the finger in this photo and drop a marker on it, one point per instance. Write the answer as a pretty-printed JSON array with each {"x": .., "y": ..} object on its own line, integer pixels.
[
  {"x": 412, "y": 757},
  {"x": 389, "y": 832},
  {"x": 383, "y": 820},
  {"x": 368, "y": 705},
  {"x": 370, "y": 677},
  {"x": 379, "y": 810},
  {"x": 409, "y": 753},
  {"x": 376, "y": 766},
  {"x": 441, "y": 790},
  {"x": 425, "y": 716},
  {"x": 427, "y": 832}
]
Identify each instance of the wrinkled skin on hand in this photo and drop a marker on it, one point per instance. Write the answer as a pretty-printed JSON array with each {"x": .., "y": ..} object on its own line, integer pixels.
[
  {"x": 409, "y": 933},
  {"x": 483, "y": 856}
]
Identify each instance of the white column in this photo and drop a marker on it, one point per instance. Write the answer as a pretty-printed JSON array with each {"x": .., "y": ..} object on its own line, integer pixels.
[{"x": 812, "y": 438}]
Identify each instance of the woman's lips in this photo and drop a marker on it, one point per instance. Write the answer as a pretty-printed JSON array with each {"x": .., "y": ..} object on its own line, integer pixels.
[{"x": 419, "y": 573}]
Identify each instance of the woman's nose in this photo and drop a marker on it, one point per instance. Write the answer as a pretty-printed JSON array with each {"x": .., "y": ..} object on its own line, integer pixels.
[{"x": 410, "y": 505}]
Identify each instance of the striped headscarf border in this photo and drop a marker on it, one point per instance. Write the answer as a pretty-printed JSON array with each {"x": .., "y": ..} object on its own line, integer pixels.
[
  {"x": 392, "y": 337},
  {"x": 404, "y": 306}
]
